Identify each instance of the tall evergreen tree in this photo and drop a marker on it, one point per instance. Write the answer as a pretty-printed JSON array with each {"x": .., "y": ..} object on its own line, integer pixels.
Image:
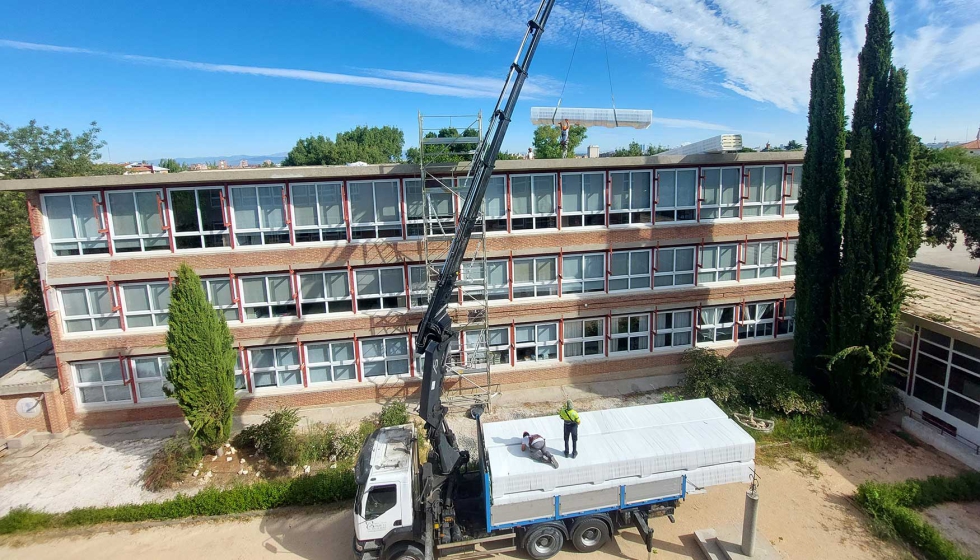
[
  {"x": 202, "y": 361},
  {"x": 876, "y": 228},
  {"x": 821, "y": 205}
]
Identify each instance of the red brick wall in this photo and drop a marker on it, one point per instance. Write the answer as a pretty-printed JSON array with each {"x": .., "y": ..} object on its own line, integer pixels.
[{"x": 12, "y": 424}]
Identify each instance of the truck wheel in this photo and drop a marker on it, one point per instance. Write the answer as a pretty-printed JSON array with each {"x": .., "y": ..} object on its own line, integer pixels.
[
  {"x": 543, "y": 542},
  {"x": 589, "y": 534},
  {"x": 406, "y": 552}
]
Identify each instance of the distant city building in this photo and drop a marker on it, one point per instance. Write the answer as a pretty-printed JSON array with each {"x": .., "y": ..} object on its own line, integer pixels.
[
  {"x": 593, "y": 151},
  {"x": 243, "y": 164},
  {"x": 197, "y": 167},
  {"x": 268, "y": 163},
  {"x": 222, "y": 164},
  {"x": 143, "y": 168}
]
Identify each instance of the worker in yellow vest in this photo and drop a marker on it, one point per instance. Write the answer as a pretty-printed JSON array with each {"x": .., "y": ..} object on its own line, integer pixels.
[{"x": 572, "y": 420}]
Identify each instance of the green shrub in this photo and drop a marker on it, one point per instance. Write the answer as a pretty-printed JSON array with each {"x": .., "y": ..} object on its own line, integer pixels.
[
  {"x": 171, "y": 463},
  {"x": 274, "y": 437},
  {"x": 393, "y": 414},
  {"x": 821, "y": 434},
  {"x": 711, "y": 376},
  {"x": 21, "y": 520}
]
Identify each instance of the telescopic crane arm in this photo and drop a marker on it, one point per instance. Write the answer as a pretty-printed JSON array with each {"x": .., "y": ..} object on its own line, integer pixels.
[{"x": 435, "y": 330}]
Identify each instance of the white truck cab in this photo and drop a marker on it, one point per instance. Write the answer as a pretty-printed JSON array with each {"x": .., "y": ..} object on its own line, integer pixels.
[{"x": 385, "y": 473}]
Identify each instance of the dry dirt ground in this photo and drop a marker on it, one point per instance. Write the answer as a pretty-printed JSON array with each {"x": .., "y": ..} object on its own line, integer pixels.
[
  {"x": 959, "y": 523},
  {"x": 804, "y": 517}
]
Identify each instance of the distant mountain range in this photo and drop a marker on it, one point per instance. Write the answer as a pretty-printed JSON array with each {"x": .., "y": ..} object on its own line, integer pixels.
[{"x": 232, "y": 160}]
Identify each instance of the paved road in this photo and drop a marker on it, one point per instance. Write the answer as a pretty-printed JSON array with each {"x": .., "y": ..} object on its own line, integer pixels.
[
  {"x": 11, "y": 346},
  {"x": 955, "y": 264}
]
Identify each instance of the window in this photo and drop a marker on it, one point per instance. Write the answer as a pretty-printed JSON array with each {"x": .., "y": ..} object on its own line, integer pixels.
[
  {"x": 584, "y": 338},
  {"x": 629, "y": 270},
  {"x": 630, "y": 194},
  {"x": 793, "y": 182},
  {"x": 384, "y": 357},
  {"x": 101, "y": 382},
  {"x": 379, "y": 500},
  {"x": 318, "y": 212},
  {"x": 716, "y": 324},
  {"x": 75, "y": 224},
  {"x": 268, "y": 296},
  {"x": 763, "y": 195},
  {"x": 630, "y": 333},
  {"x": 331, "y": 361},
  {"x": 199, "y": 218},
  {"x": 495, "y": 204},
  {"x": 536, "y": 343},
  {"x": 419, "y": 279},
  {"x": 582, "y": 274},
  {"x": 533, "y": 202},
  {"x": 757, "y": 321},
  {"x": 433, "y": 206},
  {"x": 324, "y": 292},
  {"x": 787, "y": 265},
  {"x": 137, "y": 221},
  {"x": 146, "y": 304},
  {"x": 275, "y": 366},
  {"x": 677, "y": 193},
  {"x": 454, "y": 358},
  {"x": 151, "y": 377},
  {"x": 535, "y": 277},
  {"x": 674, "y": 329},
  {"x": 380, "y": 288},
  {"x": 583, "y": 199},
  {"x": 786, "y": 314},
  {"x": 720, "y": 193},
  {"x": 760, "y": 260},
  {"x": 497, "y": 280},
  {"x": 719, "y": 263},
  {"x": 947, "y": 376},
  {"x": 219, "y": 292},
  {"x": 495, "y": 350},
  {"x": 260, "y": 214},
  {"x": 375, "y": 209},
  {"x": 89, "y": 309},
  {"x": 898, "y": 364},
  {"x": 240, "y": 383},
  {"x": 675, "y": 267}
]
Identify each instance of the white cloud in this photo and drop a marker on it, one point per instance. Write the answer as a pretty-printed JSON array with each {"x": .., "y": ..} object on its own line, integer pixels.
[{"x": 935, "y": 54}]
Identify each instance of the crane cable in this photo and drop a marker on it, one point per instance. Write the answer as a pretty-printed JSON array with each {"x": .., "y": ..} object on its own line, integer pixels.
[{"x": 602, "y": 27}]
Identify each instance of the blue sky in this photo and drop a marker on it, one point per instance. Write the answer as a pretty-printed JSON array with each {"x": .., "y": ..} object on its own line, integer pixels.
[{"x": 187, "y": 79}]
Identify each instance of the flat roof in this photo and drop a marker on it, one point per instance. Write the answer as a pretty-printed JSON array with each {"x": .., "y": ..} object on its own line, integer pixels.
[
  {"x": 951, "y": 303},
  {"x": 328, "y": 172}
]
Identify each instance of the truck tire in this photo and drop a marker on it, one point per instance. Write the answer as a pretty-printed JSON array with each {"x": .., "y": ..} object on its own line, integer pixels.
[
  {"x": 405, "y": 552},
  {"x": 589, "y": 534},
  {"x": 543, "y": 541}
]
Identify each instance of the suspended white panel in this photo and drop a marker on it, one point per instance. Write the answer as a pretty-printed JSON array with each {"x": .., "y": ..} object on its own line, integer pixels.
[
  {"x": 609, "y": 118},
  {"x": 714, "y": 145}
]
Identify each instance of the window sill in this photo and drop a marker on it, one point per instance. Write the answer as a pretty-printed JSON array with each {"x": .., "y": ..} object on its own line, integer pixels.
[{"x": 110, "y": 407}]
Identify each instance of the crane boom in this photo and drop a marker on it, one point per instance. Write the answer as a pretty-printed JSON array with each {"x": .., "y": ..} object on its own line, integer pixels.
[{"x": 435, "y": 330}]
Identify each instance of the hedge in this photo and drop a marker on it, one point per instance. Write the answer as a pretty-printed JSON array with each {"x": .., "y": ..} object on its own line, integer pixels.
[
  {"x": 322, "y": 488},
  {"x": 894, "y": 505}
]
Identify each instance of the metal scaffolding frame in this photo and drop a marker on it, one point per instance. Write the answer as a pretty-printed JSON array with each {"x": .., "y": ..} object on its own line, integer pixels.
[{"x": 444, "y": 186}]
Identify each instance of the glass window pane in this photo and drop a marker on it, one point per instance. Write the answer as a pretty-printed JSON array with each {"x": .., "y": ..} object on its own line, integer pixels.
[
  {"x": 123, "y": 209},
  {"x": 523, "y": 270},
  {"x": 337, "y": 285},
  {"x": 372, "y": 348},
  {"x": 246, "y": 207},
  {"x": 392, "y": 281},
  {"x": 524, "y": 333},
  {"x": 386, "y": 193},
  {"x": 304, "y": 205},
  {"x": 184, "y": 207},
  {"x": 520, "y": 193},
  {"x": 75, "y": 302},
  {"x": 544, "y": 194},
  {"x": 367, "y": 282},
  {"x": 254, "y": 290},
  {"x": 287, "y": 357},
  {"x": 147, "y": 368},
  {"x": 572, "y": 268},
  {"x": 117, "y": 393},
  {"x": 595, "y": 196},
  {"x": 262, "y": 358},
  {"x": 280, "y": 288},
  {"x": 361, "y": 202},
  {"x": 88, "y": 373},
  {"x": 594, "y": 266},
  {"x": 344, "y": 373},
  {"x": 319, "y": 374},
  {"x": 546, "y": 270},
  {"x": 111, "y": 370},
  {"x": 620, "y": 191},
  {"x": 640, "y": 189},
  {"x": 640, "y": 263},
  {"x": 85, "y": 220},
  {"x": 571, "y": 193},
  {"x": 331, "y": 204},
  {"x": 99, "y": 300},
  {"x": 318, "y": 353},
  {"x": 343, "y": 351},
  {"x": 60, "y": 222},
  {"x": 396, "y": 346},
  {"x": 547, "y": 332},
  {"x": 136, "y": 298},
  {"x": 496, "y": 206},
  {"x": 220, "y": 292},
  {"x": 271, "y": 201},
  {"x": 160, "y": 296},
  {"x": 686, "y": 187},
  {"x": 311, "y": 286}
]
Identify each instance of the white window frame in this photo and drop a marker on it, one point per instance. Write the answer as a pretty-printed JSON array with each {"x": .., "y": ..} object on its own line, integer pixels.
[
  {"x": 327, "y": 300},
  {"x": 93, "y": 318},
  {"x": 419, "y": 278},
  {"x": 386, "y": 358},
  {"x": 666, "y": 337},
  {"x": 598, "y": 283},
  {"x": 720, "y": 209},
  {"x": 785, "y": 318},
  {"x": 753, "y": 322},
  {"x": 324, "y": 232},
  {"x": 670, "y": 272},
  {"x": 675, "y": 212},
  {"x": 714, "y": 268},
  {"x": 475, "y": 353},
  {"x": 640, "y": 335},
  {"x": 753, "y": 267},
  {"x": 433, "y": 221},
  {"x": 638, "y": 212},
  {"x": 222, "y": 308},
  {"x": 332, "y": 364},
  {"x": 586, "y": 217},
  {"x": 267, "y": 234},
  {"x": 99, "y": 245},
  {"x": 159, "y": 317},
  {"x": 630, "y": 276},
  {"x": 160, "y": 364},
  {"x": 141, "y": 236},
  {"x": 758, "y": 201},
  {"x": 538, "y": 219},
  {"x": 280, "y": 368},
  {"x": 536, "y": 287},
  {"x": 400, "y": 297},
  {"x": 454, "y": 358},
  {"x": 787, "y": 257},
  {"x": 496, "y": 221},
  {"x": 201, "y": 234},
  {"x": 499, "y": 291},
  {"x": 794, "y": 182},
  {"x": 240, "y": 373},
  {"x": 956, "y": 359},
  {"x": 269, "y": 304},
  {"x": 715, "y": 315},
  {"x": 581, "y": 342},
  {"x": 539, "y": 344},
  {"x": 122, "y": 382},
  {"x": 376, "y": 226}
]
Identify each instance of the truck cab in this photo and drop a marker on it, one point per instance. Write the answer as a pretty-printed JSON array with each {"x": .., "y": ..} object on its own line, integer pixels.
[{"x": 385, "y": 473}]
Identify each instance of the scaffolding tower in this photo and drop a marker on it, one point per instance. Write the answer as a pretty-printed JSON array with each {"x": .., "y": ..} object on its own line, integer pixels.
[{"x": 445, "y": 163}]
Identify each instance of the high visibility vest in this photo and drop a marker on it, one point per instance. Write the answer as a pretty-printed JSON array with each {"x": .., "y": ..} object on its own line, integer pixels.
[{"x": 568, "y": 415}]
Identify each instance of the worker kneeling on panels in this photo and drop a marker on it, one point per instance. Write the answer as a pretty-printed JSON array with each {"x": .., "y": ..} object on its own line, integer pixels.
[
  {"x": 572, "y": 420},
  {"x": 535, "y": 446}
]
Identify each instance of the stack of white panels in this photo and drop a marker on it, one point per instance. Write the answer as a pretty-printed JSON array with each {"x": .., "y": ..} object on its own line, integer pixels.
[
  {"x": 714, "y": 145},
  {"x": 609, "y": 118},
  {"x": 621, "y": 447}
]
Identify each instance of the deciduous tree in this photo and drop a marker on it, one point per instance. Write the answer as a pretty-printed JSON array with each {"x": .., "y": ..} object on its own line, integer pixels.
[
  {"x": 546, "y": 141},
  {"x": 367, "y": 144},
  {"x": 952, "y": 193}
]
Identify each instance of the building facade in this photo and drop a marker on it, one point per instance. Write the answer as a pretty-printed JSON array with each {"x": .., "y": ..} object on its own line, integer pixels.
[{"x": 596, "y": 269}]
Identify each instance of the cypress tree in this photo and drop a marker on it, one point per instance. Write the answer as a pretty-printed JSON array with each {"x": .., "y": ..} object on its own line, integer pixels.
[
  {"x": 876, "y": 229},
  {"x": 821, "y": 205},
  {"x": 202, "y": 362}
]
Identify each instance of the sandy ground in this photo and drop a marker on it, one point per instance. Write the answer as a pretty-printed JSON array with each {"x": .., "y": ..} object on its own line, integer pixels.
[
  {"x": 803, "y": 517},
  {"x": 959, "y": 523}
]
